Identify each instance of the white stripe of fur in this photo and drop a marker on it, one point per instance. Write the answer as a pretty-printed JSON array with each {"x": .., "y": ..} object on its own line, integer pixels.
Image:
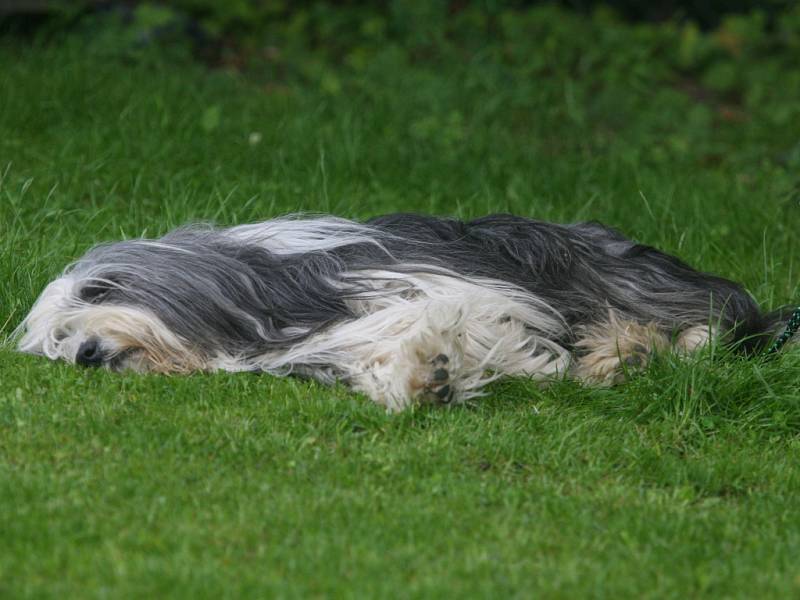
[{"x": 296, "y": 234}]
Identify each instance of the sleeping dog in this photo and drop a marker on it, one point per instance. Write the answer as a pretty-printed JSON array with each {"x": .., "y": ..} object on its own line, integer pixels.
[{"x": 404, "y": 308}]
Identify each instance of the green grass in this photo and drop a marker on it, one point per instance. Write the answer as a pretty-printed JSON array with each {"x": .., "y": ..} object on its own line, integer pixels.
[{"x": 681, "y": 482}]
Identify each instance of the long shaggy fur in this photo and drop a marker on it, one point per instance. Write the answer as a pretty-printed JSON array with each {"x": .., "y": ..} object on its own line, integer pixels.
[{"x": 402, "y": 307}]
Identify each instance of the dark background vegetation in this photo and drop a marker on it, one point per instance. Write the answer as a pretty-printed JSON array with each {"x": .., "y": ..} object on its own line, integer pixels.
[
  {"x": 729, "y": 56},
  {"x": 254, "y": 13},
  {"x": 251, "y": 21}
]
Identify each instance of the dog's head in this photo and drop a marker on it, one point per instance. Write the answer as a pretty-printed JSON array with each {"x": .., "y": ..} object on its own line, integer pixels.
[
  {"x": 129, "y": 305},
  {"x": 193, "y": 300}
]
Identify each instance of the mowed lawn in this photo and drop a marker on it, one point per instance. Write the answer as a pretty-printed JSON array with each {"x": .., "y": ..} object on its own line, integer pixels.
[{"x": 684, "y": 481}]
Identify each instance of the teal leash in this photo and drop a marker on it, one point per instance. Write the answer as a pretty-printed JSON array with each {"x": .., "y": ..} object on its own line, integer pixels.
[{"x": 791, "y": 328}]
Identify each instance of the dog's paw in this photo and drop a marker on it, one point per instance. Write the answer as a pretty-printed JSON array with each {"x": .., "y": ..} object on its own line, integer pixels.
[
  {"x": 607, "y": 367},
  {"x": 435, "y": 364},
  {"x": 435, "y": 377},
  {"x": 423, "y": 369},
  {"x": 610, "y": 351},
  {"x": 437, "y": 387}
]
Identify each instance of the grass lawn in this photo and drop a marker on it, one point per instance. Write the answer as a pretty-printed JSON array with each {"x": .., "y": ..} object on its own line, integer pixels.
[{"x": 681, "y": 482}]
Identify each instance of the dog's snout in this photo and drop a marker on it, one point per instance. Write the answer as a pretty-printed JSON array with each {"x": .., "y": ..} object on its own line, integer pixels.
[{"x": 89, "y": 354}]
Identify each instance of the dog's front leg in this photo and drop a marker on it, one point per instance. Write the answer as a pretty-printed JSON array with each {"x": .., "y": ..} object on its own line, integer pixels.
[
  {"x": 420, "y": 366},
  {"x": 401, "y": 353},
  {"x": 442, "y": 343}
]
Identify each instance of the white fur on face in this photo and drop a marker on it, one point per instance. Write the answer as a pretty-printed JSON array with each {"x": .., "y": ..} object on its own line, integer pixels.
[{"x": 60, "y": 322}]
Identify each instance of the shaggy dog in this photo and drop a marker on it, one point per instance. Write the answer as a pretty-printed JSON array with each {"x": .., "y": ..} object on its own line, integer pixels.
[{"x": 403, "y": 307}]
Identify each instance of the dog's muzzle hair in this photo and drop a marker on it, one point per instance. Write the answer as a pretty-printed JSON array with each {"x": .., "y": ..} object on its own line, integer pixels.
[{"x": 403, "y": 307}]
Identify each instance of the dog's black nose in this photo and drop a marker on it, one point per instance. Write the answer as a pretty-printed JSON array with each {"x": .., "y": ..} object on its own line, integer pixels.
[{"x": 89, "y": 354}]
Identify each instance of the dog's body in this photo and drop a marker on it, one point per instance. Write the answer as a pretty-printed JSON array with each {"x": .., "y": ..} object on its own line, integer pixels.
[{"x": 402, "y": 307}]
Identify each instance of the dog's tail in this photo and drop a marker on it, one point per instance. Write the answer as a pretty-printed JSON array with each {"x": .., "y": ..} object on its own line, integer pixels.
[
  {"x": 781, "y": 326},
  {"x": 771, "y": 332}
]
